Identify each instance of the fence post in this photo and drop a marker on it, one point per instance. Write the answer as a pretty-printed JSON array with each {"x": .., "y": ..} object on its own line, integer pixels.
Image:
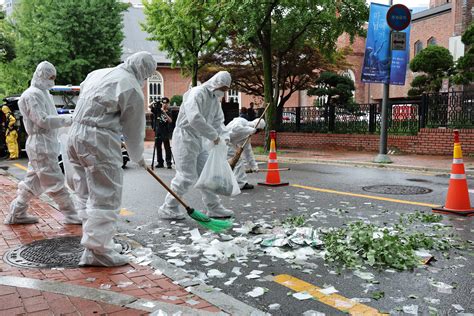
[
  {"x": 423, "y": 110},
  {"x": 298, "y": 119},
  {"x": 372, "y": 117}
]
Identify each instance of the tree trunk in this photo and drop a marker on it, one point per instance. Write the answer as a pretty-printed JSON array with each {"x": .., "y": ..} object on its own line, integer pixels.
[{"x": 195, "y": 75}]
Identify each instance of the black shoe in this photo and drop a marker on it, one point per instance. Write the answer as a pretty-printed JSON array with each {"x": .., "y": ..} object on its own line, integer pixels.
[
  {"x": 169, "y": 167},
  {"x": 247, "y": 187},
  {"x": 160, "y": 165}
]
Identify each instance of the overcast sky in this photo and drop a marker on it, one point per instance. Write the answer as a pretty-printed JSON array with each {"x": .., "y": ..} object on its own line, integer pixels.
[{"x": 408, "y": 3}]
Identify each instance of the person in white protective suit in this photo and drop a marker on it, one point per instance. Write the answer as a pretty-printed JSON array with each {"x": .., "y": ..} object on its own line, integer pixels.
[
  {"x": 239, "y": 129},
  {"x": 44, "y": 175},
  {"x": 200, "y": 121},
  {"x": 111, "y": 103}
]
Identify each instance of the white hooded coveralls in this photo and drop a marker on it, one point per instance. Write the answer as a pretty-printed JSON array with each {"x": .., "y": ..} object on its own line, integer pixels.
[
  {"x": 200, "y": 120},
  {"x": 239, "y": 129},
  {"x": 111, "y": 103},
  {"x": 44, "y": 175}
]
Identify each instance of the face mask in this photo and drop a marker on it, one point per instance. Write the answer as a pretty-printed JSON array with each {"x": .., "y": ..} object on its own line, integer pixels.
[
  {"x": 219, "y": 94},
  {"x": 49, "y": 84}
]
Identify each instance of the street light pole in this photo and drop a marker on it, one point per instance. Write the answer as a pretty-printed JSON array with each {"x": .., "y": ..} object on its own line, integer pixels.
[{"x": 382, "y": 157}]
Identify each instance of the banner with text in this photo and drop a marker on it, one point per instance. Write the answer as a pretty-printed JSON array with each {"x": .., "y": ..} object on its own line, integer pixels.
[{"x": 376, "y": 66}]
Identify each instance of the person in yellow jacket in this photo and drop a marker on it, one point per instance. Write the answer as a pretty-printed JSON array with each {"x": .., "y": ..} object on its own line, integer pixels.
[{"x": 11, "y": 134}]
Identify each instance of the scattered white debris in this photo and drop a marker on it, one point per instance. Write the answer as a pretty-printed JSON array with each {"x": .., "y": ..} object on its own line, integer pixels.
[
  {"x": 231, "y": 280},
  {"x": 236, "y": 271},
  {"x": 192, "y": 302},
  {"x": 176, "y": 262},
  {"x": 302, "y": 296},
  {"x": 411, "y": 309},
  {"x": 274, "y": 307},
  {"x": 364, "y": 275},
  {"x": 443, "y": 287},
  {"x": 105, "y": 286},
  {"x": 124, "y": 284},
  {"x": 329, "y": 290},
  {"x": 431, "y": 300},
  {"x": 458, "y": 307},
  {"x": 313, "y": 313},
  {"x": 214, "y": 273},
  {"x": 256, "y": 292},
  {"x": 148, "y": 304},
  {"x": 90, "y": 279}
]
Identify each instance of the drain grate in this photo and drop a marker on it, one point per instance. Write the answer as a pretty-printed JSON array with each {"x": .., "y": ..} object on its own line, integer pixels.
[
  {"x": 397, "y": 189},
  {"x": 62, "y": 252}
]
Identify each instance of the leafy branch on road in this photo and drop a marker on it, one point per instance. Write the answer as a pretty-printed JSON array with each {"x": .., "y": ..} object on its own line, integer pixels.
[{"x": 383, "y": 247}]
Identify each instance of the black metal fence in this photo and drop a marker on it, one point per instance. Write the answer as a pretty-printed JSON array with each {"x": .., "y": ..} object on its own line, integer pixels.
[{"x": 406, "y": 115}]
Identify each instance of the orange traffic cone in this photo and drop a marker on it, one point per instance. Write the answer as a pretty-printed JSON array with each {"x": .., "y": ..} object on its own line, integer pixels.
[
  {"x": 457, "y": 200},
  {"x": 273, "y": 173}
]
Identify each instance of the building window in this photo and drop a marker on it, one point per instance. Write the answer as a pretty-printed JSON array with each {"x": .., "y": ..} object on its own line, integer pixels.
[
  {"x": 233, "y": 96},
  {"x": 432, "y": 41},
  {"x": 418, "y": 47},
  {"x": 155, "y": 87}
]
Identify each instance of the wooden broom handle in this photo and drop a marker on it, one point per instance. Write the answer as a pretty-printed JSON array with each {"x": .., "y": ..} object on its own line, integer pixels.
[
  {"x": 233, "y": 161},
  {"x": 154, "y": 175}
]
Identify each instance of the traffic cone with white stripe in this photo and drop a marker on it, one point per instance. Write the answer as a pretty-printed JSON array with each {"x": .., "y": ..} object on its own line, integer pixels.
[
  {"x": 457, "y": 200},
  {"x": 273, "y": 173}
]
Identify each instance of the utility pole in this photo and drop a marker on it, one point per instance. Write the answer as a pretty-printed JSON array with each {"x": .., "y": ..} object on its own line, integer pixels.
[{"x": 382, "y": 157}]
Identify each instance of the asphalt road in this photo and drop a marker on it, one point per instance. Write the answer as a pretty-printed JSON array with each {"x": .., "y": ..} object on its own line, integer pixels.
[{"x": 346, "y": 201}]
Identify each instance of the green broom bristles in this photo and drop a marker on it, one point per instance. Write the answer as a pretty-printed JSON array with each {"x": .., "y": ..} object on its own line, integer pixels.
[{"x": 215, "y": 225}]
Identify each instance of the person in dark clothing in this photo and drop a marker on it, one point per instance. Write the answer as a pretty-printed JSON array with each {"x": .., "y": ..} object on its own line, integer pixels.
[
  {"x": 243, "y": 113},
  {"x": 251, "y": 115},
  {"x": 162, "y": 126}
]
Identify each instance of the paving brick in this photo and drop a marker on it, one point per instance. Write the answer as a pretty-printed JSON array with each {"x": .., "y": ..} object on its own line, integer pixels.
[
  {"x": 41, "y": 313},
  {"x": 129, "y": 313},
  {"x": 30, "y": 301},
  {"x": 63, "y": 306},
  {"x": 5, "y": 290},
  {"x": 10, "y": 301},
  {"x": 37, "y": 307},
  {"x": 13, "y": 311}
]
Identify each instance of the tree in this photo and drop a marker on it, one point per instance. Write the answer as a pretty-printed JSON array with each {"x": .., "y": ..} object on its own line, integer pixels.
[
  {"x": 188, "y": 30},
  {"x": 339, "y": 92},
  {"x": 465, "y": 64},
  {"x": 436, "y": 63},
  {"x": 299, "y": 69},
  {"x": 76, "y": 36},
  {"x": 7, "y": 46},
  {"x": 275, "y": 27}
]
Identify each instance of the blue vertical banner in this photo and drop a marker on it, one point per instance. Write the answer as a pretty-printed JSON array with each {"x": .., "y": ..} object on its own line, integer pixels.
[
  {"x": 398, "y": 67},
  {"x": 376, "y": 68}
]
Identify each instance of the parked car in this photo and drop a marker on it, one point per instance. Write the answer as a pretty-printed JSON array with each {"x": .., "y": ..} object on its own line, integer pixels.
[{"x": 288, "y": 117}]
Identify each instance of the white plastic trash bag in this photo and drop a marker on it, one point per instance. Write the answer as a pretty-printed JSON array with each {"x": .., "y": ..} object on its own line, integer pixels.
[{"x": 217, "y": 175}]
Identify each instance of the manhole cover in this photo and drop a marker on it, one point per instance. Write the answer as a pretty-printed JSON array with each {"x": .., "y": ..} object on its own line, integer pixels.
[
  {"x": 397, "y": 189},
  {"x": 62, "y": 252}
]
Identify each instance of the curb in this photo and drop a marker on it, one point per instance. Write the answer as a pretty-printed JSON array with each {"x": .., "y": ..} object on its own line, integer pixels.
[
  {"x": 228, "y": 304},
  {"x": 359, "y": 164}
]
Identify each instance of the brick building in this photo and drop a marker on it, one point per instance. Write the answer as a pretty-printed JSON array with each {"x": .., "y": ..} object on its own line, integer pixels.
[{"x": 441, "y": 24}]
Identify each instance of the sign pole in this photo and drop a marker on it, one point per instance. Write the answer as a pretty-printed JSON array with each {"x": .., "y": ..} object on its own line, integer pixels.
[{"x": 382, "y": 157}]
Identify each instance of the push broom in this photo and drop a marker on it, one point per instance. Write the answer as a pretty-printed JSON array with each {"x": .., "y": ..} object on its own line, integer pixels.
[
  {"x": 233, "y": 161},
  {"x": 204, "y": 220}
]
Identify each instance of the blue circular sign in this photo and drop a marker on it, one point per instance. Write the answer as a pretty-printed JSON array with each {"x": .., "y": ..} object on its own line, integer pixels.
[{"x": 398, "y": 17}]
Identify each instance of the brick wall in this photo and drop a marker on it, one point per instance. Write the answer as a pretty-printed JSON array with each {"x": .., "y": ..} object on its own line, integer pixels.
[{"x": 429, "y": 141}]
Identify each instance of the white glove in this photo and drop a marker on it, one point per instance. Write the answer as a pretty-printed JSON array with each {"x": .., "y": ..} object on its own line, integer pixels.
[
  {"x": 142, "y": 163},
  {"x": 67, "y": 120}
]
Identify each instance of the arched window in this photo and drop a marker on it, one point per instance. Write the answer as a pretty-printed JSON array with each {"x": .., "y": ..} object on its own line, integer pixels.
[
  {"x": 349, "y": 74},
  {"x": 432, "y": 41},
  {"x": 418, "y": 47},
  {"x": 233, "y": 96},
  {"x": 155, "y": 87}
]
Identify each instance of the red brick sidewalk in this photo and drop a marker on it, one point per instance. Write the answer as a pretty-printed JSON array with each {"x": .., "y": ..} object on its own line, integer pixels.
[{"x": 17, "y": 300}]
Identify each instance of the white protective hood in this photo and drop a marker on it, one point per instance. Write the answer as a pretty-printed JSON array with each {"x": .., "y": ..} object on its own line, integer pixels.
[{"x": 43, "y": 72}]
